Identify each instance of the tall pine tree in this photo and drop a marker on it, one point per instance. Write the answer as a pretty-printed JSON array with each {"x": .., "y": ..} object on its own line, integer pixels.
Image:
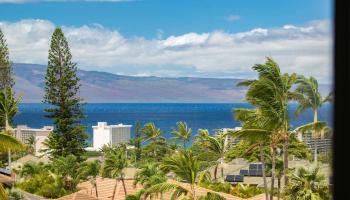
[
  {"x": 61, "y": 91},
  {"x": 6, "y": 83},
  {"x": 6, "y": 80}
]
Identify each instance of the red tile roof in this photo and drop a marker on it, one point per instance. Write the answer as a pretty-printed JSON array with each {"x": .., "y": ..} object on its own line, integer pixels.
[{"x": 105, "y": 188}]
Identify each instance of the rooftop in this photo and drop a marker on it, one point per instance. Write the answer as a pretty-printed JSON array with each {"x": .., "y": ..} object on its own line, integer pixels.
[
  {"x": 25, "y": 127},
  {"x": 105, "y": 187},
  {"x": 105, "y": 125}
]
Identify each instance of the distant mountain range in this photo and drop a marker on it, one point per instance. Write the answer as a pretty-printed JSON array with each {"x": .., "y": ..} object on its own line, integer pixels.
[{"x": 109, "y": 88}]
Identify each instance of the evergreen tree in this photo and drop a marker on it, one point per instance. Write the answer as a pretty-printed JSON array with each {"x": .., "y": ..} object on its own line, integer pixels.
[
  {"x": 6, "y": 80},
  {"x": 61, "y": 91}
]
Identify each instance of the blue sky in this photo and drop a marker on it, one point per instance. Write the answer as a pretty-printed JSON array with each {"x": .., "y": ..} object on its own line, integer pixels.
[
  {"x": 175, "y": 38},
  {"x": 146, "y": 17}
]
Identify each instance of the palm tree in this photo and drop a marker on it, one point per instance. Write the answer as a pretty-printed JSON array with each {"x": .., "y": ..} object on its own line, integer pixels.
[
  {"x": 152, "y": 133},
  {"x": 31, "y": 141},
  {"x": 310, "y": 97},
  {"x": 252, "y": 124},
  {"x": 7, "y": 142},
  {"x": 114, "y": 164},
  {"x": 182, "y": 132},
  {"x": 68, "y": 168},
  {"x": 149, "y": 175},
  {"x": 259, "y": 129},
  {"x": 279, "y": 174},
  {"x": 91, "y": 170},
  {"x": 8, "y": 109},
  {"x": 186, "y": 167},
  {"x": 307, "y": 184},
  {"x": 215, "y": 145},
  {"x": 271, "y": 94},
  {"x": 30, "y": 169}
]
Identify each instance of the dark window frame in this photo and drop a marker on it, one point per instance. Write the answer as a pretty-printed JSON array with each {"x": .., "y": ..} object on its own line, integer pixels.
[{"x": 341, "y": 141}]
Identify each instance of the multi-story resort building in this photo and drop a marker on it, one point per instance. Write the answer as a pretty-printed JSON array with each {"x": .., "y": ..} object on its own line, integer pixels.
[
  {"x": 323, "y": 144},
  {"x": 229, "y": 140},
  {"x": 104, "y": 134},
  {"x": 38, "y": 135}
]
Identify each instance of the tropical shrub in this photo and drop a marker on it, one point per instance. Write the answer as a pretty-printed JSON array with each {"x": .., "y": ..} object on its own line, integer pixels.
[
  {"x": 15, "y": 194},
  {"x": 246, "y": 191},
  {"x": 58, "y": 178},
  {"x": 307, "y": 184},
  {"x": 218, "y": 186},
  {"x": 44, "y": 184}
]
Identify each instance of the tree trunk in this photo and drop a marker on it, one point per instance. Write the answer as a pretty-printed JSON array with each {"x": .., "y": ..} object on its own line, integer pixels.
[
  {"x": 278, "y": 187},
  {"x": 96, "y": 188},
  {"x": 222, "y": 171},
  {"x": 124, "y": 186},
  {"x": 285, "y": 158},
  {"x": 154, "y": 150},
  {"x": 216, "y": 171},
  {"x": 9, "y": 158},
  {"x": 315, "y": 151},
  {"x": 184, "y": 144},
  {"x": 7, "y": 129},
  {"x": 193, "y": 191},
  {"x": 273, "y": 160},
  {"x": 315, "y": 137},
  {"x": 115, "y": 188},
  {"x": 7, "y": 124},
  {"x": 262, "y": 160}
]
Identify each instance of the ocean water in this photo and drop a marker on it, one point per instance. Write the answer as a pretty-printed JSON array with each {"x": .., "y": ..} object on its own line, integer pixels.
[{"x": 165, "y": 115}]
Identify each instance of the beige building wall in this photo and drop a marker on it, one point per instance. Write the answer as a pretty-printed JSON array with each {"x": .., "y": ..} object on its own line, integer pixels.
[{"x": 23, "y": 133}]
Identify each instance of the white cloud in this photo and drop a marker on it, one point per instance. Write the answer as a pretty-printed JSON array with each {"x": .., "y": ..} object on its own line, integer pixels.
[
  {"x": 303, "y": 49},
  {"x": 233, "y": 18}
]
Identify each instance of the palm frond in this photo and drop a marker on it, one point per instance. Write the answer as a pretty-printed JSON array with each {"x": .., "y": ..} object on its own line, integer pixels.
[
  {"x": 251, "y": 133},
  {"x": 167, "y": 187},
  {"x": 213, "y": 196},
  {"x": 245, "y": 83},
  {"x": 204, "y": 177},
  {"x": 3, "y": 193},
  {"x": 184, "y": 164},
  {"x": 9, "y": 142},
  {"x": 318, "y": 126}
]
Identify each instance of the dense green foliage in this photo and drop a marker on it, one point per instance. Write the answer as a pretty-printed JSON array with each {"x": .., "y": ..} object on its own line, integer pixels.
[
  {"x": 45, "y": 183},
  {"x": 57, "y": 178},
  {"x": 308, "y": 184},
  {"x": 61, "y": 92},
  {"x": 6, "y": 79}
]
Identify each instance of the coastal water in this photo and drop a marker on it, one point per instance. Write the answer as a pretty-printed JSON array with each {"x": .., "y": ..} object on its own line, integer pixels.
[{"x": 164, "y": 115}]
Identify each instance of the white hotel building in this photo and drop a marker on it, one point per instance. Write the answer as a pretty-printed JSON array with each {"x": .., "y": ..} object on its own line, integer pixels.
[
  {"x": 104, "y": 134},
  {"x": 23, "y": 133}
]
